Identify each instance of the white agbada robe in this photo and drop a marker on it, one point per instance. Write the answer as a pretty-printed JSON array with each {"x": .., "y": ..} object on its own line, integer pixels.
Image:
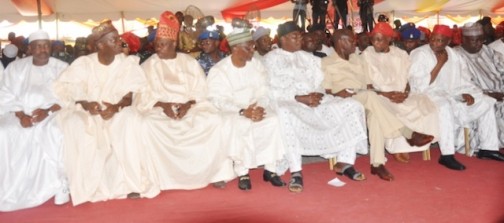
[
  {"x": 335, "y": 128},
  {"x": 487, "y": 71},
  {"x": 103, "y": 159},
  {"x": 497, "y": 45},
  {"x": 31, "y": 168},
  {"x": 446, "y": 91},
  {"x": 189, "y": 153},
  {"x": 389, "y": 72},
  {"x": 251, "y": 144},
  {"x": 1, "y": 72}
]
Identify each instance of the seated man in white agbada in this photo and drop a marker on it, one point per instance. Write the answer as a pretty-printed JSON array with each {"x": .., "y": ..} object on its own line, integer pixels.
[
  {"x": 237, "y": 87},
  {"x": 313, "y": 123},
  {"x": 486, "y": 67},
  {"x": 440, "y": 72},
  {"x": 180, "y": 130},
  {"x": 104, "y": 158},
  {"x": 31, "y": 168}
]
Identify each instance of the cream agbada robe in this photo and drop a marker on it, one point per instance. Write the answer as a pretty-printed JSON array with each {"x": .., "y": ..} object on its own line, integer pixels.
[
  {"x": 340, "y": 74},
  {"x": 251, "y": 144},
  {"x": 103, "y": 159},
  {"x": 31, "y": 168},
  {"x": 452, "y": 81},
  {"x": 189, "y": 153},
  {"x": 389, "y": 72}
]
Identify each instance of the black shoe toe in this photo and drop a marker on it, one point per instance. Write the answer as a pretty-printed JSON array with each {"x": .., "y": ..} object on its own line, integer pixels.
[
  {"x": 244, "y": 182},
  {"x": 487, "y": 154},
  {"x": 273, "y": 178},
  {"x": 450, "y": 162}
]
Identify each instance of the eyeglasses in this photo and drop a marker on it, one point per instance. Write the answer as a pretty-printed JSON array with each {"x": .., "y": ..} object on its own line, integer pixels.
[{"x": 124, "y": 45}]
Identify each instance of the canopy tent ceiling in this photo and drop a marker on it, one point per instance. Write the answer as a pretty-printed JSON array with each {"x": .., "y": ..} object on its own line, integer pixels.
[{"x": 82, "y": 10}]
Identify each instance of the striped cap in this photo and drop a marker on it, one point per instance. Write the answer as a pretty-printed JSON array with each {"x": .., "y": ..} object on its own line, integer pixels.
[{"x": 239, "y": 35}]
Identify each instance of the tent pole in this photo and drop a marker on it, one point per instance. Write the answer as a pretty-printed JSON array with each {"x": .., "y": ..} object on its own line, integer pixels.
[
  {"x": 437, "y": 16},
  {"x": 57, "y": 25},
  {"x": 122, "y": 22},
  {"x": 39, "y": 12}
]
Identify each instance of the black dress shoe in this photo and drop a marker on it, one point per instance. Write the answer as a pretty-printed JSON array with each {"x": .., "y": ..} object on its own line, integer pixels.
[
  {"x": 273, "y": 178},
  {"x": 244, "y": 182},
  {"x": 450, "y": 162},
  {"x": 487, "y": 154}
]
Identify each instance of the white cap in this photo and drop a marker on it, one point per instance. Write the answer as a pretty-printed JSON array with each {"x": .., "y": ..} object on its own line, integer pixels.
[
  {"x": 10, "y": 50},
  {"x": 38, "y": 35},
  {"x": 260, "y": 32},
  {"x": 472, "y": 29}
]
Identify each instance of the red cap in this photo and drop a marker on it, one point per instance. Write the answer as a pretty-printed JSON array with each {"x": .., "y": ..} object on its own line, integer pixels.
[
  {"x": 443, "y": 30},
  {"x": 168, "y": 26},
  {"x": 384, "y": 28}
]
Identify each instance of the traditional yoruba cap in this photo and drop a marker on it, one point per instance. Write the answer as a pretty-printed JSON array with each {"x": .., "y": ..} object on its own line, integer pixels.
[
  {"x": 208, "y": 35},
  {"x": 260, "y": 32},
  {"x": 472, "y": 29},
  {"x": 132, "y": 40},
  {"x": 38, "y": 35},
  {"x": 411, "y": 33},
  {"x": 443, "y": 30},
  {"x": 101, "y": 30},
  {"x": 239, "y": 35},
  {"x": 10, "y": 50},
  {"x": 286, "y": 28},
  {"x": 168, "y": 27},
  {"x": 384, "y": 28}
]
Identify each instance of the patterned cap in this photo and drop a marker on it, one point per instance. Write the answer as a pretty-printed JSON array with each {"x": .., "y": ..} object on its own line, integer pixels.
[
  {"x": 168, "y": 27},
  {"x": 101, "y": 30},
  {"x": 260, "y": 32},
  {"x": 239, "y": 35},
  {"x": 286, "y": 28},
  {"x": 383, "y": 28},
  {"x": 472, "y": 29},
  {"x": 10, "y": 50}
]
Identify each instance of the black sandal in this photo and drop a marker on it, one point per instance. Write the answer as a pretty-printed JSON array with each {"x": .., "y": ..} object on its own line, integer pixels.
[
  {"x": 244, "y": 182},
  {"x": 296, "y": 182},
  {"x": 351, "y": 173}
]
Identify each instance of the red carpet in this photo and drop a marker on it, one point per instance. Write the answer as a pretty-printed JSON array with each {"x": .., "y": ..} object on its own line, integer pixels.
[{"x": 423, "y": 191}]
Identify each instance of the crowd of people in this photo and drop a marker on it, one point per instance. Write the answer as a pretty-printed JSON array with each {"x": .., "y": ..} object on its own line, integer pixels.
[{"x": 187, "y": 106}]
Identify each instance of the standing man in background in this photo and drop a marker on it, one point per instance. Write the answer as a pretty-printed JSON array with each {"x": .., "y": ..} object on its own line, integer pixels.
[
  {"x": 319, "y": 11},
  {"x": 340, "y": 12},
  {"x": 299, "y": 11},
  {"x": 366, "y": 14}
]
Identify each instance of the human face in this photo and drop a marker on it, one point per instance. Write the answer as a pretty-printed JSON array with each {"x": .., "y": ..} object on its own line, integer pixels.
[
  {"x": 41, "y": 51},
  {"x": 264, "y": 44},
  {"x": 309, "y": 43},
  {"x": 209, "y": 45},
  {"x": 410, "y": 44},
  {"x": 438, "y": 42},
  {"x": 363, "y": 41},
  {"x": 380, "y": 42},
  {"x": 473, "y": 44},
  {"x": 244, "y": 51},
  {"x": 292, "y": 41},
  {"x": 166, "y": 48},
  {"x": 110, "y": 43},
  {"x": 347, "y": 43}
]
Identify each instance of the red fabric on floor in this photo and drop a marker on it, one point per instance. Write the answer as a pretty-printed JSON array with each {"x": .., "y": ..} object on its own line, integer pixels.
[{"x": 423, "y": 191}]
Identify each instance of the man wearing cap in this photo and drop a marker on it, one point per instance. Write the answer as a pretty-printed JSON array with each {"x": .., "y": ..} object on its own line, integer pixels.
[
  {"x": 210, "y": 54},
  {"x": 9, "y": 54},
  {"x": 237, "y": 87},
  {"x": 387, "y": 67},
  {"x": 314, "y": 124},
  {"x": 104, "y": 158},
  {"x": 262, "y": 41},
  {"x": 345, "y": 77},
  {"x": 498, "y": 44},
  {"x": 181, "y": 130},
  {"x": 410, "y": 38},
  {"x": 31, "y": 168},
  {"x": 486, "y": 67},
  {"x": 442, "y": 74}
]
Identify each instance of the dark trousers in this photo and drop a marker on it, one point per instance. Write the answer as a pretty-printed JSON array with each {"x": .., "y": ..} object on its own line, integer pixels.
[
  {"x": 367, "y": 21},
  {"x": 299, "y": 14},
  {"x": 337, "y": 18},
  {"x": 318, "y": 18}
]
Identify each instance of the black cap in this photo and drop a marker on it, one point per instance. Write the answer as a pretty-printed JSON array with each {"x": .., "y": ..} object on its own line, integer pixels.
[{"x": 286, "y": 28}]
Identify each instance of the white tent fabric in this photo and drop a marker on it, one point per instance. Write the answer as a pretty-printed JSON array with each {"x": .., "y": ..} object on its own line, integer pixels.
[{"x": 97, "y": 10}]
